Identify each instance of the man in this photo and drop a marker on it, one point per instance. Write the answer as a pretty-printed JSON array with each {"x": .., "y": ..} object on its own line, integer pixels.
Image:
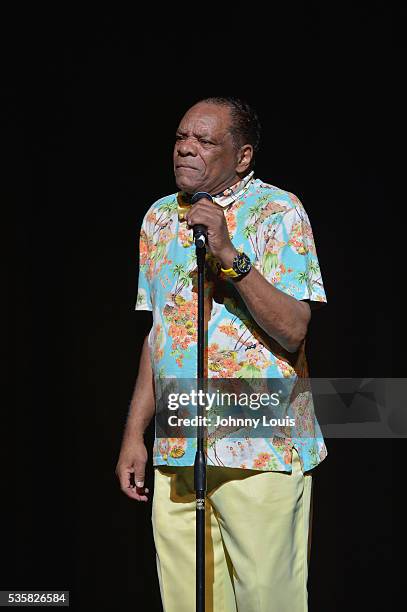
[{"x": 262, "y": 275}]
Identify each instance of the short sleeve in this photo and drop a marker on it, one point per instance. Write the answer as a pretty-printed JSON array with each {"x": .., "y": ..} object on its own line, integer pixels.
[
  {"x": 143, "y": 300},
  {"x": 289, "y": 258}
]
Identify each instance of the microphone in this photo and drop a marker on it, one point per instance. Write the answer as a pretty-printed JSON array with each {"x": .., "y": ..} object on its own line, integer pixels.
[{"x": 200, "y": 230}]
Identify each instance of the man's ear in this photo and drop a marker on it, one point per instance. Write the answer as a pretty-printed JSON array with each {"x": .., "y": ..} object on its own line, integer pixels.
[{"x": 245, "y": 156}]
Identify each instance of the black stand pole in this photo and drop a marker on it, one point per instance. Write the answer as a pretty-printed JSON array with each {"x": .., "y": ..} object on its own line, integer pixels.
[{"x": 200, "y": 460}]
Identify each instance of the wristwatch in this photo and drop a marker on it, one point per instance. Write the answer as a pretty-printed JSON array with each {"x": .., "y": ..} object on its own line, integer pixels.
[{"x": 241, "y": 265}]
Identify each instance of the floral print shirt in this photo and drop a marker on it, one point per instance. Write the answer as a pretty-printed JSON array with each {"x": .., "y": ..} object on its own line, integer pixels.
[{"x": 271, "y": 226}]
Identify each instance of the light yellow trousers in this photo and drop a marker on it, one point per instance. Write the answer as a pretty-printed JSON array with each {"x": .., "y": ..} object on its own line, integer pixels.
[{"x": 257, "y": 539}]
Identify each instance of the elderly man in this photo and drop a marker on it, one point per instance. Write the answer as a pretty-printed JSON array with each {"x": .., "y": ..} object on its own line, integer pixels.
[{"x": 262, "y": 279}]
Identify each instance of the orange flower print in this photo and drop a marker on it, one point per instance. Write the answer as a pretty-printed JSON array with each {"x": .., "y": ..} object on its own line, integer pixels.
[
  {"x": 151, "y": 217},
  {"x": 223, "y": 362},
  {"x": 163, "y": 447},
  {"x": 158, "y": 339},
  {"x": 261, "y": 460},
  {"x": 229, "y": 329},
  {"x": 297, "y": 239},
  {"x": 185, "y": 236},
  {"x": 230, "y": 217},
  {"x": 182, "y": 319},
  {"x": 143, "y": 248},
  {"x": 286, "y": 369}
]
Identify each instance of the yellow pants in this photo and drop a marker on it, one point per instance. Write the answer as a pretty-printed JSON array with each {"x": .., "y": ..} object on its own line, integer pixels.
[{"x": 257, "y": 539}]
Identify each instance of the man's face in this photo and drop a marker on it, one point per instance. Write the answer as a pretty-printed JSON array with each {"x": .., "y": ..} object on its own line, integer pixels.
[{"x": 205, "y": 156}]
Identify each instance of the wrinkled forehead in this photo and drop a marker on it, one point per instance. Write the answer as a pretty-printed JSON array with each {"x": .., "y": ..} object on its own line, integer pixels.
[{"x": 206, "y": 119}]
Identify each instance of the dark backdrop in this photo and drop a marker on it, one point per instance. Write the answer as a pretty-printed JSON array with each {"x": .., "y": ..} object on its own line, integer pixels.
[{"x": 91, "y": 106}]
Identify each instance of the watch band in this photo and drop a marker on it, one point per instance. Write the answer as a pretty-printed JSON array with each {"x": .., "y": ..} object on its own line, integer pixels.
[
  {"x": 235, "y": 271},
  {"x": 230, "y": 272}
]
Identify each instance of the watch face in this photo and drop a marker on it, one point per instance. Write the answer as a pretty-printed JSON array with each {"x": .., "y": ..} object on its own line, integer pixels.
[{"x": 242, "y": 264}]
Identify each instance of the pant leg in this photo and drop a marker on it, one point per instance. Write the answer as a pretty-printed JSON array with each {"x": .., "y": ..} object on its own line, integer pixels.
[
  {"x": 264, "y": 521},
  {"x": 173, "y": 519}
]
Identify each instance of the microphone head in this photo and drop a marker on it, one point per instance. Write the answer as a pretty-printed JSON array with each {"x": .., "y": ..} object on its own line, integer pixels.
[{"x": 199, "y": 195}]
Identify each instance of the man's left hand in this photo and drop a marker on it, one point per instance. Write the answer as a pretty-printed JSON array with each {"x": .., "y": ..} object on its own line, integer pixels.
[{"x": 211, "y": 215}]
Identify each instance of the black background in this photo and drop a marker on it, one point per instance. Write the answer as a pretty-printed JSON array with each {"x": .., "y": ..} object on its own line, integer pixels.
[{"x": 91, "y": 107}]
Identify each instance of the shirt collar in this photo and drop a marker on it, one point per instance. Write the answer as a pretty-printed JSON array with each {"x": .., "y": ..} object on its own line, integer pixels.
[{"x": 226, "y": 197}]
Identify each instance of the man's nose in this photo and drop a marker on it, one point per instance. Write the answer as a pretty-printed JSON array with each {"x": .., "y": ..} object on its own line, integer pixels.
[{"x": 186, "y": 147}]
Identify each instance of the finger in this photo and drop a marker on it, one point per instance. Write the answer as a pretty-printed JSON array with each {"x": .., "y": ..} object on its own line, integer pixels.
[
  {"x": 141, "y": 493},
  {"x": 205, "y": 205},
  {"x": 124, "y": 476},
  {"x": 205, "y": 201},
  {"x": 137, "y": 493},
  {"x": 204, "y": 216},
  {"x": 139, "y": 475}
]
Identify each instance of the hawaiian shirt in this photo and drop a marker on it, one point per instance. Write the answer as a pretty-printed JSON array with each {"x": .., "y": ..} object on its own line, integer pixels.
[{"x": 271, "y": 226}]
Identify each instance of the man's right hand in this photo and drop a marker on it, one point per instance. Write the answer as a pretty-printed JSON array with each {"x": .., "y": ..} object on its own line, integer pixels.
[{"x": 132, "y": 460}]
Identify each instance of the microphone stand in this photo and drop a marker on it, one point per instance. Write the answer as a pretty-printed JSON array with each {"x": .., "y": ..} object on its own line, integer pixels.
[{"x": 200, "y": 459}]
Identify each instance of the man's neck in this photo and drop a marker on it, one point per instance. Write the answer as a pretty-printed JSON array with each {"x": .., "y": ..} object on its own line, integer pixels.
[{"x": 221, "y": 187}]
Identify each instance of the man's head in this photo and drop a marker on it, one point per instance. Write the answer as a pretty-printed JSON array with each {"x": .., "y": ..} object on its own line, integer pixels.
[{"x": 215, "y": 145}]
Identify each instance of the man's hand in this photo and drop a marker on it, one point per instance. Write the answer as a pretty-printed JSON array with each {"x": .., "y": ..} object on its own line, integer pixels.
[
  {"x": 132, "y": 460},
  {"x": 281, "y": 316},
  {"x": 133, "y": 453},
  {"x": 212, "y": 216}
]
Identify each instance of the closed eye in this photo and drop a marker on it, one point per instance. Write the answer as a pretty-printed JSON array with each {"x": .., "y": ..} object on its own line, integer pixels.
[{"x": 201, "y": 140}]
